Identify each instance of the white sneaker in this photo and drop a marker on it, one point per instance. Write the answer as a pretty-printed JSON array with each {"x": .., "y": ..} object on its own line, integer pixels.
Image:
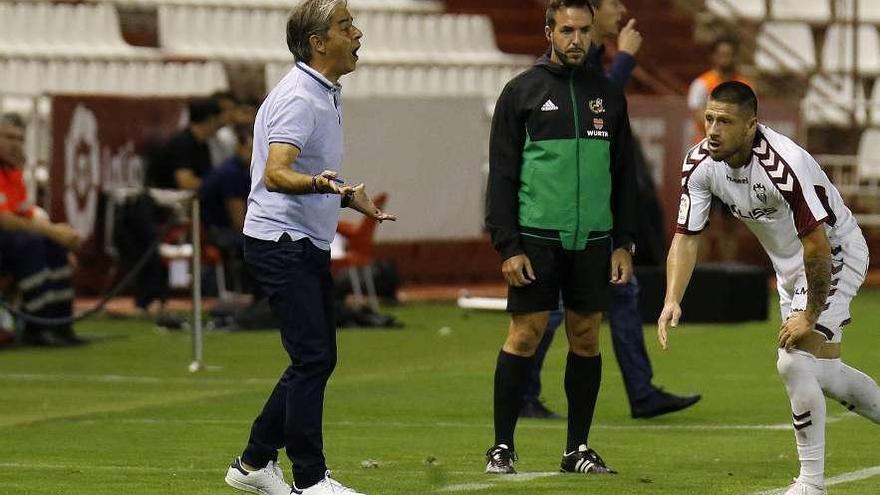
[
  {"x": 327, "y": 486},
  {"x": 266, "y": 481},
  {"x": 801, "y": 488}
]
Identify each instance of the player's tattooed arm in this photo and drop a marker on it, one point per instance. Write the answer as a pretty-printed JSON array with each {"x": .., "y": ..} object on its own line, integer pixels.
[{"x": 817, "y": 267}]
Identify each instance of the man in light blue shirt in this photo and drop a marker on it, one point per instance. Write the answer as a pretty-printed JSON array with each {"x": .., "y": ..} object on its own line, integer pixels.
[{"x": 293, "y": 209}]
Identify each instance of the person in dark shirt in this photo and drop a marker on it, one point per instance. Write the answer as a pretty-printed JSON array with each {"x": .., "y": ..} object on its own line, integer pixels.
[
  {"x": 186, "y": 158},
  {"x": 224, "y": 193}
]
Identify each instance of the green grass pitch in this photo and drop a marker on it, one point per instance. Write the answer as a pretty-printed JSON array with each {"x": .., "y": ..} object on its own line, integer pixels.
[{"x": 123, "y": 415}]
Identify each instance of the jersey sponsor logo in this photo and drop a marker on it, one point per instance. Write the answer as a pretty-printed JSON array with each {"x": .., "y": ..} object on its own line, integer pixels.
[
  {"x": 738, "y": 180},
  {"x": 801, "y": 291},
  {"x": 549, "y": 106},
  {"x": 754, "y": 214},
  {"x": 601, "y": 134},
  {"x": 760, "y": 192},
  {"x": 598, "y": 123},
  {"x": 684, "y": 208},
  {"x": 596, "y": 106}
]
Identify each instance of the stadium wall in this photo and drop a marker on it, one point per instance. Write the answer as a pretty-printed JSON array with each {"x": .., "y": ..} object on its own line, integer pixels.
[{"x": 428, "y": 154}]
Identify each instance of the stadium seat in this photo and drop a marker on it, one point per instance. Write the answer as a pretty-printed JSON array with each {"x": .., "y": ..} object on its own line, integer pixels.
[
  {"x": 421, "y": 6},
  {"x": 133, "y": 78},
  {"x": 834, "y": 101},
  {"x": 868, "y": 11},
  {"x": 812, "y": 11},
  {"x": 785, "y": 47},
  {"x": 868, "y": 161},
  {"x": 47, "y": 30},
  {"x": 753, "y": 10},
  {"x": 837, "y": 53},
  {"x": 358, "y": 257}
]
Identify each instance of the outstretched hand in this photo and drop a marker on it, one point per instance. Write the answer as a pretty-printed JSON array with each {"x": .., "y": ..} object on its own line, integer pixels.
[{"x": 361, "y": 202}]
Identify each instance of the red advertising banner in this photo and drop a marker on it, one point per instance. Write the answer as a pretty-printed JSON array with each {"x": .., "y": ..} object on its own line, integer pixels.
[{"x": 98, "y": 145}]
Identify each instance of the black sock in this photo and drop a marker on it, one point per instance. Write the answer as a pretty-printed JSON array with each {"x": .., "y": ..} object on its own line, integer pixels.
[
  {"x": 582, "y": 378},
  {"x": 511, "y": 373}
]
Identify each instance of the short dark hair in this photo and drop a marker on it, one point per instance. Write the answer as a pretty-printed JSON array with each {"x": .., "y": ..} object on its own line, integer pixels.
[
  {"x": 224, "y": 95},
  {"x": 13, "y": 119},
  {"x": 725, "y": 40},
  {"x": 554, "y": 5},
  {"x": 202, "y": 109},
  {"x": 737, "y": 93}
]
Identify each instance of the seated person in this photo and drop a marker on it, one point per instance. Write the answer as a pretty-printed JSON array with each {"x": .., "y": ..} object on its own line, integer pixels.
[
  {"x": 224, "y": 193},
  {"x": 186, "y": 158},
  {"x": 179, "y": 164},
  {"x": 33, "y": 250}
]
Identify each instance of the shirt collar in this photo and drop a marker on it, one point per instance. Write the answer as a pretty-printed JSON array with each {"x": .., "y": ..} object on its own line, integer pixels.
[{"x": 318, "y": 77}]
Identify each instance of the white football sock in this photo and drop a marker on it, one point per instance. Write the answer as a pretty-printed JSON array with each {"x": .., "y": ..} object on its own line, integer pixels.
[
  {"x": 857, "y": 391},
  {"x": 798, "y": 371}
]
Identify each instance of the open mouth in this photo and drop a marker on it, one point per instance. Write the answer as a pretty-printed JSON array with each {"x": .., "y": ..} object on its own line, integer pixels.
[
  {"x": 354, "y": 53},
  {"x": 713, "y": 145}
]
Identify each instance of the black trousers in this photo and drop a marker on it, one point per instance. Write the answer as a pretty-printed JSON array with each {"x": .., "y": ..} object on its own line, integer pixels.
[
  {"x": 295, "y": 276},
  {"x": 41, "y": 269}
]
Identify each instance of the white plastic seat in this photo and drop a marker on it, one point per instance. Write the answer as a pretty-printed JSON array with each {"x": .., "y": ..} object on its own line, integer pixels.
[
  {"x": 868, "y": 158},
  {"x": 837, "y": 52},
  {"x": 47, "y": 30},
  {"x": 869, "y": 11},
  {"x": 813, "y": 11},
  {"x": 754, "y": 10},
  {"x": 834, "y": 101},
  {"x": 785, "y": 47}
]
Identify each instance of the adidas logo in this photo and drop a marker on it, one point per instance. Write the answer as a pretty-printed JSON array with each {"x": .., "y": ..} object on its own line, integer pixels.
[{"x": 549, "y": 106}]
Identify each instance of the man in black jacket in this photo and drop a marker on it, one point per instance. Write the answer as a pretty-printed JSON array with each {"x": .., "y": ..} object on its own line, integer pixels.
[
  {"x": 561, "y": 212},
  {"x": 645, "y": 399}
]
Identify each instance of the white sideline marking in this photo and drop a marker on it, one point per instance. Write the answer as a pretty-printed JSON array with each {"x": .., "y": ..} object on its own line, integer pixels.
[
  {"x": 515, "y": 478},
  {"x": 100, "y": 467},
  {"x": 840, "y": 479},
  {"x": 37, "y": 377},
  {"x": 442, "y": 424}
]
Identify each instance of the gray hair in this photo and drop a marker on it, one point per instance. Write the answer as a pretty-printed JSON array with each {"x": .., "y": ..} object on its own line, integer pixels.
[{"x": 311, "y": 17}]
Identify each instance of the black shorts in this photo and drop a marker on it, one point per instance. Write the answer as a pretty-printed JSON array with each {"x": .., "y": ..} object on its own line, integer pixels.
[{"x": 582, "y": 277}]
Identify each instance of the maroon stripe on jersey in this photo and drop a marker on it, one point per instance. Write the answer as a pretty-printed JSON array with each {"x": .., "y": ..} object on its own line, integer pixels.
[
  {"x": 801, "y": 426},
  {"x": 695, "y": 156},
  {"x": 822, "y": 194},
  {"x": 683, "y": 230},
  {"x": 782, "y": 176},
  {"x": 829, "y": 335}
]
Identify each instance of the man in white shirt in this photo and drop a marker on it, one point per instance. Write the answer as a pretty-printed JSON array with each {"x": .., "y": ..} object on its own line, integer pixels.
[
  {"x": 292, "y": 213},
  {"x": 816, "y": 248}
]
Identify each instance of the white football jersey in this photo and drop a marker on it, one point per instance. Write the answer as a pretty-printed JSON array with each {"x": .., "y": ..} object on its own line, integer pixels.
[{"x": 781, "y": 195}]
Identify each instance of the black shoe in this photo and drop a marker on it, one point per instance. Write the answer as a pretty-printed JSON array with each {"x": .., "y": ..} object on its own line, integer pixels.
[
  {"x": 584, "y": 460},
  {"x": 69, "y": 340},
  {"x": 661, "y": 402},
  {"x": 39, "y": 339},
  {"x": 499, "y": 460},
  {"x": 534, "y": 408}
]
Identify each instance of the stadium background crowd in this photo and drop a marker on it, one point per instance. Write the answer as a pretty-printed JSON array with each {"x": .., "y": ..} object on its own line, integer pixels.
[{"x": 119, "y": 94}]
